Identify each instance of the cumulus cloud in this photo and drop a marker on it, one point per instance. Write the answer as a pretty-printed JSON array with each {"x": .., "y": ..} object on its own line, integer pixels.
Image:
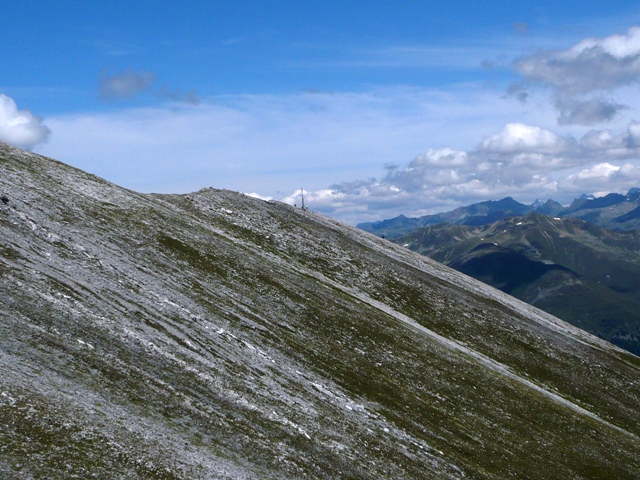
[
  {"x": 597, "y": 171},
  {"x": 604, "y": 144},
  {"x": 603, "y": 178},
  {"x": 125, "y": 85},
  {"x": 20, "y": 128},
  {"x": 590, "y": 67},
  {"x": 440, "y": 158},
  {"x": 258, "y": 196},
  {"x": 519, "y": 156},
  {"x": 521, "y": 138}
]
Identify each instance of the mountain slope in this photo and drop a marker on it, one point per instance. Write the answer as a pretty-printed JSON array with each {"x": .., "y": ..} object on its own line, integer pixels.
[
  {"x": 481, "y": 213},
  {"x": 613, "y": 211},
  {"x": 213, "y": 335},
  {"x": 584, "y": 274}
]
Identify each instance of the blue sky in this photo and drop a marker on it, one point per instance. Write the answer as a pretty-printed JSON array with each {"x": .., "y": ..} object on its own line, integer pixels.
[{"x": 376, "y": 108}]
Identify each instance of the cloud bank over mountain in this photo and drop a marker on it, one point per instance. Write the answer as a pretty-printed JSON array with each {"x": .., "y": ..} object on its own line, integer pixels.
[{"x": 521, "y": 160}]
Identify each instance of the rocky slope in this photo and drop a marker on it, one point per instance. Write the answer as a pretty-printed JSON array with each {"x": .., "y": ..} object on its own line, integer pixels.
[{"x": 213, "y": 335}]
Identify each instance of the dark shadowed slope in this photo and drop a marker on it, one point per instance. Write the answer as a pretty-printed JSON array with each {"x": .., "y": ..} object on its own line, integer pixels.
[{"x": 213, "y": 335}]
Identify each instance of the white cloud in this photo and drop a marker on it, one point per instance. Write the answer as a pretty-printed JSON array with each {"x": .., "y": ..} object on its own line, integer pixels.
[
  {"x": 592, "y": 64},
  {"x": 601, "y": 170},
  {"x": 441, "y": 158},
  {"x": 618, "y": 46},
  {"x": 582, "y": 73},
  {"x": 521, "y": 138},
  {"x": 604, "y": 178},
  {"x": 258, "y": 196},
  {"x": 20, "y": 128}
]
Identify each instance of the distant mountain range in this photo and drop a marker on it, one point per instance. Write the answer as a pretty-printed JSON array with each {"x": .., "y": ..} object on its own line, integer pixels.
[
  {"x": 614, "y": 211},
  {"x": 545, "y": 254}
]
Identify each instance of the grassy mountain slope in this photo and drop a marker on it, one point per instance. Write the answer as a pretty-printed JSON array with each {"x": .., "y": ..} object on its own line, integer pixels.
[
  {"x": 213, "y": 335},
  {"x": 614, "y": 211},
  {"x": 584, "y": 274}
]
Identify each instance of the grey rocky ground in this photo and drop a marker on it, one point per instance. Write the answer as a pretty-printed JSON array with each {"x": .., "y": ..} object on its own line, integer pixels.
[{"x": 213, "y": 335}]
